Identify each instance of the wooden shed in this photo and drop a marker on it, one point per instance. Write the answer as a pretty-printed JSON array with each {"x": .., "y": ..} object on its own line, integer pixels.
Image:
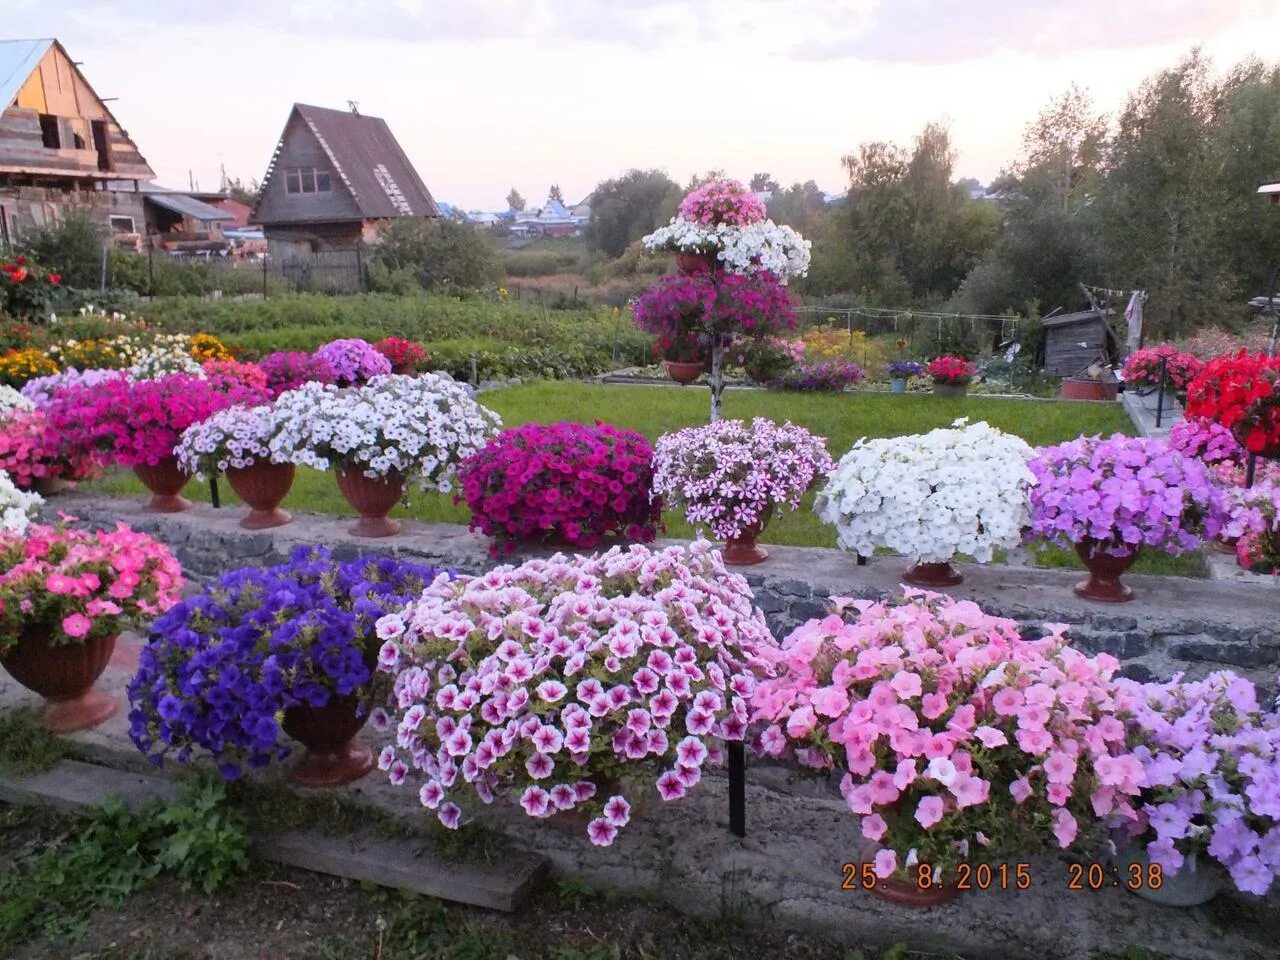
[{"x": 1072, "y": 341}]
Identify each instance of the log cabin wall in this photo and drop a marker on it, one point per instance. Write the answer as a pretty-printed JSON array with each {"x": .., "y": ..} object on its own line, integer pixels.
[{"x": 27, "y": 208}]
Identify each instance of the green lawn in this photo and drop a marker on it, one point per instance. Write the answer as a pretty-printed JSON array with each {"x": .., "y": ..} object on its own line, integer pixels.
[{"x": 842, "y": 419}]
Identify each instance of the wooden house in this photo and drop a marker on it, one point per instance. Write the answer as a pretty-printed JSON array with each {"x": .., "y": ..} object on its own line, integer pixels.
[
  {"x": 60, "y": 146},
  {"x": 1272, "y": 191},
  {"x": 1073, "y": 341},
  {"x": 336, "y": 178}
]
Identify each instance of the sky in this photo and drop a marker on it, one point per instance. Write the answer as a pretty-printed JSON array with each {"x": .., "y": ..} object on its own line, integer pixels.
[{"x": 486, "y": 95}]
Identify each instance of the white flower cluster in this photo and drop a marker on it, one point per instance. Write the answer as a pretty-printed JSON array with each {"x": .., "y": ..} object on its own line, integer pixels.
[
  {"x": 16, "y": 506},
  {"x": 931, "y": 496},
  {"x": 758, "y": 246},
  {"x": 10, "y": 400},
  {"x": 419, "y": 426},
  {"x": 231, "y": 439},
  {"x": 156, "y": 355}
]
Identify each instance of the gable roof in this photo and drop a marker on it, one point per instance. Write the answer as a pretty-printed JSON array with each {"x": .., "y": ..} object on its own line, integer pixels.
[
  {"x": 368, "y": 160},
  {"x": 18, "y": 60}
]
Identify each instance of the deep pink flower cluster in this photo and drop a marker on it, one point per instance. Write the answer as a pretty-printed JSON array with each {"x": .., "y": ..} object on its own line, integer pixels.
[
  {"x": 561, "y": 481},
  {"x": 31, "y": 450},
  {"x": 1124, "y": 492},
  {"x": 141, "y": 422},
  {"x": 726, "y": 202},
  {"x": 82, "y": 585},
  {"x": 1143, "y": 366},
  {"x": 567, "y": 684},
  {"x": 715, "y": 302},
  {"x": 289, "y": 369},
  {"x": 955, "y": 370},
  {"x": 958, "y": 739}
]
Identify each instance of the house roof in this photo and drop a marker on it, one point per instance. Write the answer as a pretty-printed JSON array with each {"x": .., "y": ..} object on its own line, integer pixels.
[
  {"x": 18, "y": 59},
  {"x": 175, "y": 200},
  {"x": 368, "y": 159},
  {"x": 1066, "y": 319},
  {"x": 1273, "y": 187}
]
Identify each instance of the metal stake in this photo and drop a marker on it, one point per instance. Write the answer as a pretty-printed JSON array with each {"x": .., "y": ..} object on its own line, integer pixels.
[
  {"x": 1164, "y": 363},
  {"x": 737, "y": 788},
  {"x": 213, "y": 491}
]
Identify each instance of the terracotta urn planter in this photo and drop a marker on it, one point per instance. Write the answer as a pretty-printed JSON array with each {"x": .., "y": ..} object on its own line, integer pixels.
[
  {"x": 743, "y": 551},
  {"x": 165, "y": 480},
  {"x": 333, "y": 756},
  {"x": 64, "y": 674},
  {"x": 404, "y": 369},
  {"x": 909, "y": 894},
  {"x": 950, "y": 389},
  {"x": 695, "y": 262},
  {"x": 263, "y": 487},
  {"x": 682, "y": 372},
  {"x": 932, "y": 575},
  {"x": 372, "y": 498},
  {"x": 1104, "y": 584},
  {"x": 51, "y": 486},
  {"x": 1075, "y": 389}
]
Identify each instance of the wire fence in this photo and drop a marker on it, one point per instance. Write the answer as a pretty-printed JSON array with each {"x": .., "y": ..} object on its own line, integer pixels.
[{"x": 327, "y": 271}]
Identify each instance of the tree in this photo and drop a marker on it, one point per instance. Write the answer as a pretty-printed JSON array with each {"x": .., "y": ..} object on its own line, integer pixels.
[
  {"x": 514, "y": 200},
  {"x": 244, "y": 193},
  {"x": 699, "y": 179},
  {"x": 626, "y": 208},
  {"x": 73, "y": 249},
  {"x": 437, "y": 253},
  {"x": 797, "y": 206},
  {"x": 764, "y": 182},
  {"x": 555, "y": 193}
]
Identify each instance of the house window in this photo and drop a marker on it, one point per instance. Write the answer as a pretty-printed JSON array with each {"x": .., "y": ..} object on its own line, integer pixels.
[
  {"x": 306, "y": 180},
  {"x": 49, "y": 131},
  {"x": 121, "y": 224}
]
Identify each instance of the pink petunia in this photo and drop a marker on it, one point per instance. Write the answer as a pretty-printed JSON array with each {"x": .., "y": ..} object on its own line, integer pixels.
[
  {"x": 874, "y": 827},
  {"x": 431, "y": 794},
  {"x": 970, "y": 791},
  {"x": 886, "y": 864},
  {"x": 601, "y": 832},
  {"x": 76, "y": 625},
  {"x": 929, "y": 811},
  {"x": 536, "y": 802},
  {"x": 617, "y": 811},
  {"x": 1021, "y": 789},
  {"x": 670, "y": 787},
  {"x": 691, "y": 752},
  {"x": 1064, "y": 828}
]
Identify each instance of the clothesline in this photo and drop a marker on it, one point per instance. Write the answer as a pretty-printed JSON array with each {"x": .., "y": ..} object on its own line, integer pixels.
[{"x": 889, "y": 313}]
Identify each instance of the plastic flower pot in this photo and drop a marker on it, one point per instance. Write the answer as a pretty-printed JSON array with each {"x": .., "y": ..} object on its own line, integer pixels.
[
  {"x": 64, "y": 675},
  {"x": 1195, "y": 883},
  {"x": 695, "y": 262},
  {"x": 165, "y": 480},
  {"x": 941, "y": 389},
  {"x": 681, "y": 372},
  {"x": 742, "y": 550},
  {"x": 372, "y": 498},
  {"x": 909, "y": 894},
  {"x": 263, "y": 486},
  {"x": 1104, "y": 568},
  {"x": 333, "y": 756},
  {"x": 897, "y": 384},
  {"x": 932, "y": 575}
]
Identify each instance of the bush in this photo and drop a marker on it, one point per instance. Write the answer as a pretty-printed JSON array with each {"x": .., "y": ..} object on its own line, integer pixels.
[
  {"x": 442, "y": 253},
  {"x": 565, "y": 480},
  {"x": 72, "y": 248},
  {"x": 538, "y": 263}
]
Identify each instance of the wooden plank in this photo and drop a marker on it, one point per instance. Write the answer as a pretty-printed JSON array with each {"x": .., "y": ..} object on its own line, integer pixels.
[
  {"x": 393, "y": 863},
  {"x": 74, "y": 786}
]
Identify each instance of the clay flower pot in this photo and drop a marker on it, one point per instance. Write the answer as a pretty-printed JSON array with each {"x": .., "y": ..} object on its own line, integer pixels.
[
  {"x": 743, "y": 551},
  {"x": 333, "y": 756},
  {"x": 695, "y": 262},
  {"x": 64, "y": 675},
  {"x": 404, "y": 369},
  {"x": 932, "y": 575},
  {"x": 909, "y": 894},
  {"x": 165, "y": 480},
  {"x": 1077, "y": 389},
  {"x": 682, "y": 372},
  {"x": 263, "y": 486},
  {"x": 1104, "y": 584},
  {"x": 372, "y": 498},
  {"x": 50, "y": 486},
  {"x": 950, "y": 389}
]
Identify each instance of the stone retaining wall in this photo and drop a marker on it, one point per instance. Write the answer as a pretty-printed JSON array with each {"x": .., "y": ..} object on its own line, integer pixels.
[{"x": 1176, "y": 624}]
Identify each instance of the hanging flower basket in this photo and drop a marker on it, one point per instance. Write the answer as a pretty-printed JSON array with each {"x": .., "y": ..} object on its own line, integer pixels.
[
  {"x": 683, "y": 373},
  {"x": 695, "y": 262}
]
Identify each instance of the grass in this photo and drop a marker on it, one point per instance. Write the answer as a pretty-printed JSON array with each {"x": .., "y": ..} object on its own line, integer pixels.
[
  {"x": 841, "y": 418},
  {"x": 26, "y": 746}
]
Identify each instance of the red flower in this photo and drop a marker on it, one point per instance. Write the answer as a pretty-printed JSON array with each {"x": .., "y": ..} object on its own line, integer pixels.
[
  {"x": 55, "y": 278},
  {"x": 1242, "y": 393}
]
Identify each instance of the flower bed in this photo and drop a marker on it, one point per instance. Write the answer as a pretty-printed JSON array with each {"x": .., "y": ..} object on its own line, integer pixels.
[
  {"x": 404, "y": 356},
  {"x": 958, "y": 740},
  {"x": 289, "y": 369},
  {"x": 1124, "y": 492},
  {"x": 831, "y": 376},
  {"x": 571, "y": 685},
  {"x": 565, "y": 481},
  {"x": 353, "y": 361},
  {"x": 1143, "y": 367},
  {"x": 81, "y": 585},
  {"x": 221, "y": 667},
  {"x": 931, "y": 496},
  {"x": 1210, "y": 758},
  {"x": 731, "y": 476},
  {"x": 31, "y": 451},
  {"x": 404, "y": 426}
]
